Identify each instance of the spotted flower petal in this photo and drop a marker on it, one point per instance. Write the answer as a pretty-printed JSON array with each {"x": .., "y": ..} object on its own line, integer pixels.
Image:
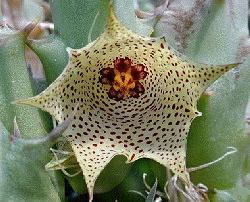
[{"x": 134, "y": 97}]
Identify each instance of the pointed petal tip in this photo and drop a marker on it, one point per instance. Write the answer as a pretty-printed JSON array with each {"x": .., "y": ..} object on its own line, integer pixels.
[
  {"x": 222, "y": 69},
  {"x": 226, "y": 66},
  {"x": 28, "y": 101},
  {"x": 231, "y": 66},
  {"x": 91, "y": 193},
  {"x": 111, "y": 7},
  {"x": 113, "y": 23},
  {"x": 111, "y": 11},
  {"x": 17, "y": 102}
]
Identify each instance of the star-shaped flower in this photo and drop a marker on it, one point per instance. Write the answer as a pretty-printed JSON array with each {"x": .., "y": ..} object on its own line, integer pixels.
[{"x": 134, "y": 97}]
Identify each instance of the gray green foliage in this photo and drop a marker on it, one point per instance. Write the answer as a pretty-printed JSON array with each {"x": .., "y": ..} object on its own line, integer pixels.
[
  {"x": 78, "y": 21},
  {"x": 22, "y": 173},
  {"x": 15, "y": 84}
]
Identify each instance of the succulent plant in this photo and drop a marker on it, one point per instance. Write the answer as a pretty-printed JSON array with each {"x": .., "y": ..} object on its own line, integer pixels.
[{"x": 125, "y": 92}]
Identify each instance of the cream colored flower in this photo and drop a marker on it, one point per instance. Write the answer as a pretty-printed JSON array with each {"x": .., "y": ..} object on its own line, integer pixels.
[{"x": 134, "y": 97}]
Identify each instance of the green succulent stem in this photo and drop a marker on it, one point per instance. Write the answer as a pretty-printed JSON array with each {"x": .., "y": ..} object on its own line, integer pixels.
[{"x": 15, "y": 84}]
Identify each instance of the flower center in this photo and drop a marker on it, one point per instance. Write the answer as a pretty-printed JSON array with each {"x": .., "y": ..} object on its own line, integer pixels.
[{"x": 124, "y": 79}]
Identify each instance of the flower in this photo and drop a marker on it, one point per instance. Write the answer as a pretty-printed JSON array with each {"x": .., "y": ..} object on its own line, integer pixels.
[{"x": 134, "y": 97}]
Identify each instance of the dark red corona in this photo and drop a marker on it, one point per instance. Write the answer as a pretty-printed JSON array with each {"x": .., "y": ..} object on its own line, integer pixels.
[{"x": 124, "y": 79}]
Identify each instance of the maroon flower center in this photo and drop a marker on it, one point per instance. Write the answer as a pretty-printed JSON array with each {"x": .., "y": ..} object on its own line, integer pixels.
[{"x": 124, "y": 79}]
